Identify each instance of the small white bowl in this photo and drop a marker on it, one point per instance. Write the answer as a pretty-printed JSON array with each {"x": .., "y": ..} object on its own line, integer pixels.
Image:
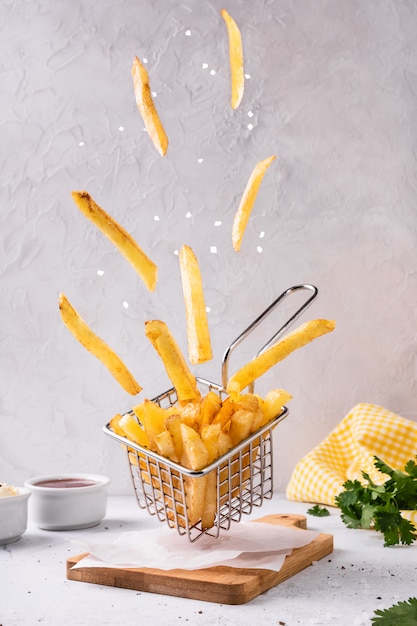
[
  {"x": 13, "y": 516},
  {"x": 67, "y": 501}
]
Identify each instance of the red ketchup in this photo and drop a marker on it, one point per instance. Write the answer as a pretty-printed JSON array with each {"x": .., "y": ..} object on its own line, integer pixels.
[{"x": 65, "y": 483}]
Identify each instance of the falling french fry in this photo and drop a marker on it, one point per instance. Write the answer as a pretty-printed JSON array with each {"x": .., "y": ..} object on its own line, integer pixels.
[
  {"x": 237, "y": 76},
  {"x": 199, "y": 342},
  {"x": 177, "y": 369},
  {"x": 247, "y": 201},
  {"x": 298, "y": 338},
  {"x": 94, "y": 344},
  {"x": 147, "y": 108},
  {"x": 124, "y": 242}
]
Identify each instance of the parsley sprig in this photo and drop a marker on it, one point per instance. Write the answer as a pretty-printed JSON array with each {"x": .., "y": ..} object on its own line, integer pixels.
[
  {"x": 368, "y": 505},
  {"x": 401, "y": 614},
  {"x": 318, "y": 511}
]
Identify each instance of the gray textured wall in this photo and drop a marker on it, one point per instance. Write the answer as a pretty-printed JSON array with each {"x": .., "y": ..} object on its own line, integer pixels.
[{"x": 331, "y": 90}]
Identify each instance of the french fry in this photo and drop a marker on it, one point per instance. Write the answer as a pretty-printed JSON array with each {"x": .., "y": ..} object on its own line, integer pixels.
[
  {"x": 224, "y": 414},
  {"x": 190, "y": 414},
  {"x": 194, "y": 456},
  {"x": 153, "y": 419},
  {"x": 165, "y": 445},
  {"x": 99, "y": 348},
  {"x": 133, "y": 431},
  {"x": 179, "y": 373},
  {"x": 210, "y": 436},
  {"x": 209, "y": 406},
  {"x": 115, "y": 426},
  {"x": 236, "y": 59},
  {"x": 247, "y": 201},
  {"x": 147, "y": 108},
  {"x": 298, "y": 338},
  {"x": 273, "y": 403},
  {"x": 173, "y": 426},
  {"x": 241, "y": 425},
  {"x": 199, "y": 342},
  {"x": 123, "y": 241},
  {"x": 247, "y": 418}
]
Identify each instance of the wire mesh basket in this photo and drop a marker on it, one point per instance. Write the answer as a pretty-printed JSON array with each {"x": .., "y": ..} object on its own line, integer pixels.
[{"x": 242, "y": 478}]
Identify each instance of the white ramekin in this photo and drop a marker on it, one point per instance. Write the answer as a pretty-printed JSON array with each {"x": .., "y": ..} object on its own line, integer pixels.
[
  {"x": 13, "y": 516},
  {"x": 67, "y": 508}
]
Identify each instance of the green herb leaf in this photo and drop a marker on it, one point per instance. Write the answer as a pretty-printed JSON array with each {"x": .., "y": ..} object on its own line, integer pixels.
[
  {"x": 318, "y": 511},
  {"x": 368, "y": 505},
  {"x": 401, "y": 614}
]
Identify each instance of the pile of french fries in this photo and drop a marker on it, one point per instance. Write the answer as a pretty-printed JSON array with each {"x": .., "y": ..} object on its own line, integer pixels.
[
  {"x": 197, "y": 430},
  {"x": 195, "y": 435}
]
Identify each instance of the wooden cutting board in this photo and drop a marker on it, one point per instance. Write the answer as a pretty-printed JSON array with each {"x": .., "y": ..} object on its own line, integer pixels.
[{"x": 220, "y": 584}]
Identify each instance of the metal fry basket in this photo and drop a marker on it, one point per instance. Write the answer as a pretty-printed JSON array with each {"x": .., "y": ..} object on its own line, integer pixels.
[{"x": 243, "y": 478}]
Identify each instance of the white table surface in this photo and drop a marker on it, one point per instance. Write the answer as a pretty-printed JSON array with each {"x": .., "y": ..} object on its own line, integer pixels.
[{"x": 343, "y": 588}]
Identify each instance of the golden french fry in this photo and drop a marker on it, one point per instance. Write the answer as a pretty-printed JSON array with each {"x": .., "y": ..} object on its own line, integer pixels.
[
  {"x": 225, "y": 413},
  {"x": 210, "y": 405},
  {"x": 273, "y": 403},
  {"x": 195, "y": 497},
  {"x": 246, "y": 419},
  {"x": 236, "y": 59},
  {"x": 199, "y": 342},
  {"x": 152, "y": 418},
  {"x": 165, "y": 445},
  {"x": 241, "y": 425},
  {"x": 247, "y": 201},
  {"x": 210, "y": 436},
  {"x": 133, "y": 431},
  {"x": 147, "y": 108},
  {"x": 115, "y": 426},
  {"x": 173, "y": 426},
  {"x": 94, "y": 344},
  {"x": 124, "y": 242},
  {"x": 179, "y": 373},
  {"x": 190, "y": 414},
  {"x": 298, "y": 338},
  {"x": 194, "y": 454}
]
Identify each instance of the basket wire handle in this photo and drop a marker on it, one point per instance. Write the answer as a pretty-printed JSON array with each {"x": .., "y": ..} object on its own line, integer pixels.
[{"x": 225, "y": 362}]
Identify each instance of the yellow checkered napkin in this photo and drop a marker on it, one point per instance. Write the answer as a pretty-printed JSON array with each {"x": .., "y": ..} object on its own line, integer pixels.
[{"x": 366, "y": 431}]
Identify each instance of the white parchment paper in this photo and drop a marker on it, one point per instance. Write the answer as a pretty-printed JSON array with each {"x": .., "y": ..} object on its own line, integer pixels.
[{"x": 247, "y": 544}]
